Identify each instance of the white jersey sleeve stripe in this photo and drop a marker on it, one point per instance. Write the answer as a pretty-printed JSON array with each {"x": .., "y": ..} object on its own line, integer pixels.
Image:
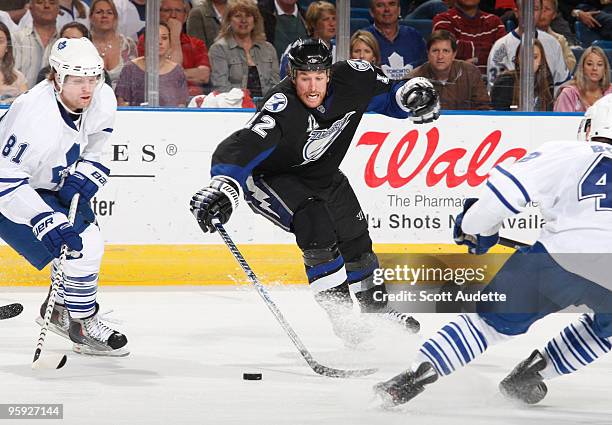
[
  {"x": 501, "y": 198},
  {"x": 10, "y": 189},
  {"x": 515, "y": 181}
]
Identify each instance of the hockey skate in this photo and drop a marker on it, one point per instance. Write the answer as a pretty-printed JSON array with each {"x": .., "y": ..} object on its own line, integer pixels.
[
  {"x": 403, "y": 319},
  {"x": 405, "y": 386},
  {"x": 525, "y": 383},
  {"x": 91, "y": 336},
  {"x": 60, "y": 319}
]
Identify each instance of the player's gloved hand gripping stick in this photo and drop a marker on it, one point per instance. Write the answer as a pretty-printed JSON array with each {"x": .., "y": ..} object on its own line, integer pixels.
[{"x": 212, "y": 206}]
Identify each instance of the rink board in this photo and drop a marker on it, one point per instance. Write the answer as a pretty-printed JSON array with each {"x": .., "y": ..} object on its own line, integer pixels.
[{"x": 409, "y": 179}]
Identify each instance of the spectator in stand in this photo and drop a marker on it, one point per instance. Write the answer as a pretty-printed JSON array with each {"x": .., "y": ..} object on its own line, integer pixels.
[
  {"x": 505, "y": 95},
  {"x": 321, "y": 24},
  {"x": 32, "y": 45},
  {"x": 476, "y": 31},
  {"x": 16, "y": 9},
  {"x": 590, "y": 83},
  {"x": 172, "y": 82},
  {"x": 12, "y": 82},
  {"x": 401, "y": 47},
  {"x": 70, "y": 11},
  {"x": 188, "y": 51},
  {"x": 595, "y": 14},
  {"x": 70, "y": 30},
  {"x": 114, "y": 48},
  {"x": 283, "y": 22},
  {"x": 131, "y": 24},
  {"x": 241, "y": 57},
  {"x": 501, "y": 57},
  {"x": 458, "y": 83},
  {"x": 547, "y": 15},
  {"x": 204, "y": 20},
  {"x": 365, "y": 47}
]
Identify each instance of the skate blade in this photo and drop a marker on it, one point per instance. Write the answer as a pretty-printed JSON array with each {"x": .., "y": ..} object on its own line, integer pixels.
[
  {"x": 88, "y": 351},
  {"x": 382, "y": 400},
  {"x": 53, "y": 328}
]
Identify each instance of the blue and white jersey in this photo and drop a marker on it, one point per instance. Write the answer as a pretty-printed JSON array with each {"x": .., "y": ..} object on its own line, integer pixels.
[
  {"x": 572, "y": 183},
  {"x": 39, "y": 140}
]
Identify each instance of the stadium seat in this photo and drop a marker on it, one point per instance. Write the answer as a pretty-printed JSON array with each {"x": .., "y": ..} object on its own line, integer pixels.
[
  {"x": 577, "y": 51},
  {"x": 360, "y": 3},
  {"x": 604, "y": 44},
  {"x": 360, "y": 13},
  {"x": 423, "y": 26},
  {"x": 608, "y": 54},
  {"x": 357, "y": 24},
  {"x": 584, "y": 35}
]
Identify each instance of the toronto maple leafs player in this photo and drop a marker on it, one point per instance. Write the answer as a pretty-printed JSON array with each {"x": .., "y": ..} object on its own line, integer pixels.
[
  {"x": 64, "y": 120},
  {"x": 286, "y": 162},
  {"x": 567, "y": 266}
]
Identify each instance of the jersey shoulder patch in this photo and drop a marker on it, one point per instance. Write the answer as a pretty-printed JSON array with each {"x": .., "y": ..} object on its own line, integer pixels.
[
  {"x": 359, "y": 65},
  {"x": 276, "y": 103}
]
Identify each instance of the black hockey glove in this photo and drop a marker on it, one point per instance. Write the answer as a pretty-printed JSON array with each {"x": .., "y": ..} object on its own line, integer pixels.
[
  {"x": 421, "y": 99},
  {"x": 219, "y": 199},
  {"x": 477, "y": 244}
]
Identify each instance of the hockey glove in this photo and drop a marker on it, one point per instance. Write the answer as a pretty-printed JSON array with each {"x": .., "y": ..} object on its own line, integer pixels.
[
  {"x": 219, "y": 199},
  {"x": 87, "y": 179},
  {"x": 421, "y": 99},
  {"x": 477, "y": 244},
  {"x": 54, "y": 230}
]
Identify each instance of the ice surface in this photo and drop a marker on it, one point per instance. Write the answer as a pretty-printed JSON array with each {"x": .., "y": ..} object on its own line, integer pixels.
[{"x": 190, "y": 347}]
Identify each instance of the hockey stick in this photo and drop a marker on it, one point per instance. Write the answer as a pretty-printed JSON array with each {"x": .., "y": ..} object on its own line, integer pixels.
[
  {"x": 263, "y": 292},
  {"x": 10, "y": 310},
  {"x": 510, "y": 243},
  {"x": 55, "y": 361}
]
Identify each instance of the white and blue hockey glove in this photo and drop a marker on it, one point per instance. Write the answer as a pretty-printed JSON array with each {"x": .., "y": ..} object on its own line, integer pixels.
[
  {"x": 54, "y": 230},
  {"x": 477, "y": 244},
  {"x": 87, "y": 179},
  {"x": 219, "y": 199},
  {"x": 420, "y": 98}
]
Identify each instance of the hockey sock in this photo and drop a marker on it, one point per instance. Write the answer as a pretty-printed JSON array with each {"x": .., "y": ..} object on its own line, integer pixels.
[
  {"x": 80, "y": 295},
  {"x": 458, "y": 343},
  {"x": 575, "y": 347}
]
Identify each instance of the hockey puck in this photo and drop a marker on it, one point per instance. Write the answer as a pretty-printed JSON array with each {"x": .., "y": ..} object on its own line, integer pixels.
[{"x": 252, "y": 376}]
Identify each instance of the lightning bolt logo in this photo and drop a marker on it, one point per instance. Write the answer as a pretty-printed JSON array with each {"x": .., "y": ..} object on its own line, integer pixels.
[{"x": 261, "y": 196}]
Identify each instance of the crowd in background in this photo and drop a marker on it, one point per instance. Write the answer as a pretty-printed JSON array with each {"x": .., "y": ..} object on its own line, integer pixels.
[{"x": 227, "y": 53}]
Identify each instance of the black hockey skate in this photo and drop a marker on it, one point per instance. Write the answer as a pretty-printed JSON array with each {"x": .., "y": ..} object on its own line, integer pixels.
[
  {"x": 405, "y": 386},
  {"x": 60, "y": 318},
  {"x": 403, "y": 319},
  {"x": 525, "y": 383},
  {"x": 91, "y": 336}
]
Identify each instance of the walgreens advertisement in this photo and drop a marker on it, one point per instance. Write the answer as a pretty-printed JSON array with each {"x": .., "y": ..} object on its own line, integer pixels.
[{"x": 410, "y": 179}]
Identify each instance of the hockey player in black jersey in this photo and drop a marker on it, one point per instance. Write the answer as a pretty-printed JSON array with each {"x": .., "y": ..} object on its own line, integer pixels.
[{"x": 286, "y": 161}]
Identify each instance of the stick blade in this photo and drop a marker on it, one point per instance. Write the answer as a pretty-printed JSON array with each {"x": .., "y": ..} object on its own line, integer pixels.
[
  {"x": 11, "y": 310},
  {"x": 49, "y": 361},
  {"x": 342, "y": 373}
]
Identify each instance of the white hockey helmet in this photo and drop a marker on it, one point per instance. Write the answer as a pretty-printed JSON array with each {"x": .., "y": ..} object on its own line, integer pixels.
[
  {"x": 601, "y": 118},
  {"x": 75, "y": 56}
]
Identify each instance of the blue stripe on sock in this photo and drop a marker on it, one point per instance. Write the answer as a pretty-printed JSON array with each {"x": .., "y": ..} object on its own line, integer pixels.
[
  {"x": 562, "y": 357},
  {"x": 583, "y": 342},
  {"x": 440, "y": 350},
  {"x": 455, "y": 337},
  {"x": 449, "y": 342},
  {"x": 458, "y": 329},
  {"x": 602, "y": 343},
  {"x": 561, "y": 369},
  {"x": 320, "y": 270},
  {"x": 554, "y": 362},
  {"x": 445, "y": 369},
  {"x": 575, "y": 349},
  {"x": 432, "y": 361}
]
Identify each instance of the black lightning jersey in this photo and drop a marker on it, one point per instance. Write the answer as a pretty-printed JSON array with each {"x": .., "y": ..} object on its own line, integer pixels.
[{"x": 287, "y": 137}]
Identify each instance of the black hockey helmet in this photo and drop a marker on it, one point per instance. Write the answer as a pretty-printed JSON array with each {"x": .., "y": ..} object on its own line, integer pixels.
[{"x": 309, "y": 54}]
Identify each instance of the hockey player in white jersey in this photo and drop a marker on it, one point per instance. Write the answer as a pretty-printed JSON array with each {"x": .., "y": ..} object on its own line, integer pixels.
[
  {"x": 568, "y": 265},
  {"x": 51, "y": 142}
]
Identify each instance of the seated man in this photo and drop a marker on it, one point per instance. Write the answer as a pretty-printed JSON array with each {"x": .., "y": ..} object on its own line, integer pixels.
[
  {"x": 475, "y": 31},
  {"x": 458, "y": 83}
]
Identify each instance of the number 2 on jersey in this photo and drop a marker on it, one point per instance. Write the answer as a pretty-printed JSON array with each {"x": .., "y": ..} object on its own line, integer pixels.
[
  {"x": 594, "y": 184},
  {"x": 266, "y": 123},
  {"x": 8, "y": 148}
]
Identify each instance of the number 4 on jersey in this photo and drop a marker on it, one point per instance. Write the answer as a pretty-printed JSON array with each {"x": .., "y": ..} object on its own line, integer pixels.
[
  {"x": 594, "y": 184},
  {"x": 8, "y": 148}
]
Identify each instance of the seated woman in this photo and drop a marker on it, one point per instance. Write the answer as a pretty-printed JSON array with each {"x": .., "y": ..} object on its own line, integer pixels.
[
  {"x": 172, "y": 81},
  {"x": 365, "y": 47},
  {"x": 241, "y": 57},
  {"x": 115, "y": 49},
  {"x": 505, "y": 94},
  {"x": 590, "y": 83},
  {"x": 12, "y": 82}
]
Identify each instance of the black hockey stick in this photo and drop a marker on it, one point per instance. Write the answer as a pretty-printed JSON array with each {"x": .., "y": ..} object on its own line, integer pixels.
[
  {"x": 55, "y": 361},
  {"x": 263, "y": 292},
  {"x": 10, "y": 310},
  {"x": 512, "y": 243}
]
